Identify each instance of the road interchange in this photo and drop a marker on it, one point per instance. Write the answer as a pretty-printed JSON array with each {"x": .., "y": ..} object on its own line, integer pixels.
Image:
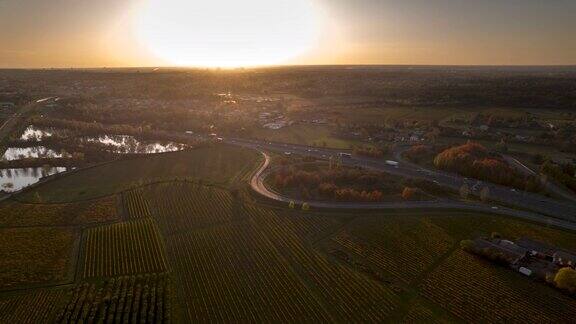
[{"x": 525, "y": 205}]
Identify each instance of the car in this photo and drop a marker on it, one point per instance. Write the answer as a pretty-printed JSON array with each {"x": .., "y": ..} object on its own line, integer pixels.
[{"x": 494, "y": 207}]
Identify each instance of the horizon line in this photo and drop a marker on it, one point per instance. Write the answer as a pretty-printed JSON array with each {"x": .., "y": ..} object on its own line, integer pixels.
[{"x": 162, "y": 67}]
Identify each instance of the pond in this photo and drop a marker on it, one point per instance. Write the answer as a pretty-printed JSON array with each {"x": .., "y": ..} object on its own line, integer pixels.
[
  {"x": 18, "y": 153},
  {"x": 12, "y": 180},
  {"x": 33, "y": 133},
  {"x": 121, "y": 144},
  {"x": 129, "y": 144}
]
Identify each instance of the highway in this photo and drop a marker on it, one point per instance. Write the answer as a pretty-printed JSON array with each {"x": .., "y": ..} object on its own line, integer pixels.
[
  {"x": 549, "y": 185},
  {"x": 537, "y": 204},
  {"x": 257, "y": 184}
]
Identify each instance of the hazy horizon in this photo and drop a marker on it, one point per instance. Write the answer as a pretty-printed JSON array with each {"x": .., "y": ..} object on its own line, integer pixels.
[{"x": 177, "y": 33}]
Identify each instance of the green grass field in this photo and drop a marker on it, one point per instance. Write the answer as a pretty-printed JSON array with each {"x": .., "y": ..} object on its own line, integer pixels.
[
  {"x": 305, "y": 134},
  {"x": 218, "y": 164}
]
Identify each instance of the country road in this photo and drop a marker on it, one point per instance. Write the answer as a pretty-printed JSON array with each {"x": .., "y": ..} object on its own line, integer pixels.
[{"x": 536, "y": 204}]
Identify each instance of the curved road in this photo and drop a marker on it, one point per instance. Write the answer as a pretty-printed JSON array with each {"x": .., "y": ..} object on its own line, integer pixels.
[
  {"x": 257, "y": 184},
  {"x": 535, "y": 206}
]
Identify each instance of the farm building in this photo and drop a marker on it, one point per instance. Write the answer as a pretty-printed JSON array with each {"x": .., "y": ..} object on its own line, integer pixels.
[
  {"x": 507, "y": 250},
  {"x": 564, "y": 259},
  {"x": 536, "y": 247}
]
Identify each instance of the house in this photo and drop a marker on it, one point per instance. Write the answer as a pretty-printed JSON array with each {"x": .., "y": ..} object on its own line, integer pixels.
[
  {"x": 564, "y": 259},
  {"x": 507, "y": 250},
  {"x": 537, "y": 248}
]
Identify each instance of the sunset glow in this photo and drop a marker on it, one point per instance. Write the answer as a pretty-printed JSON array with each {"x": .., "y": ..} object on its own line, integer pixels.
[{"x": 227, "y": 33}]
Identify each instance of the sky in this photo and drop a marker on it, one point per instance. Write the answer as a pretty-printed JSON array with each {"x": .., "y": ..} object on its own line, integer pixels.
[{"x": 114, "y": 33}]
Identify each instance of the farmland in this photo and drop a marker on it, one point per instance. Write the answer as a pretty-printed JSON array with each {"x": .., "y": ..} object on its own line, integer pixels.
[
  {"x": 127, "y": 299},
  {"x": 202, "y": 248},
  {"x": 466, "y": 287},
  {"x": 14, "y": 213},
  {"x": 35, "y": 255},
  {"x": 135, "y": 206},
  {"x": 36, "y": 307},
  {"x": 125, "y": 248},
  {"x": 307, "y": 135},
  {"x": 181, "y": 206},
  {"x": 213, "y": 164}
]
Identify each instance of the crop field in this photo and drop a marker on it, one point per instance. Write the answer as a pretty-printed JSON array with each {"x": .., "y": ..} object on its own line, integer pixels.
[
  {"x": 14, "y": 213},
  {"x": 233, "y": 273},
  {"x": 402, "y": 246},
  {"x": 129, "y": 299},
  {"x": 478, "y": 292},
  {"x": 423, "y": 253},
  {"x": 230, "y": 258},
  {"x": 310, "y": 227},
  {"x": 35, "y": 255},
  {"x": 182, "y": 206},
  {"x": 344, "y": 290},
  {"x": 135, "y": 206},
  {"x": 306, "y": 134},
  {"x": 384, "y": 114},
  {"x": 217, "y": 164},
  {"x": 37, "y": 307},
  {"x": 461, "y": 225},
  {"x": 194, "y": 250},
  {"x": 246, "y": 263},
  {"x": 123, "y": 248}
]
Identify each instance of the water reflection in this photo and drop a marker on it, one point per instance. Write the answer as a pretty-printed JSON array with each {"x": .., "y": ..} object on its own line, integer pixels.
[
  {"x": 18, "y": 153},
  {"x": 33, "y": 133},
  {"x": 129, "y": 144},
  {"x": 12, "y": 180}
]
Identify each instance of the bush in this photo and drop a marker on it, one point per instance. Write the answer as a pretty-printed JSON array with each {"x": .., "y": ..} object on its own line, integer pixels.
[
  {"x": 565, "y": 279},
  {"x": 467, "y": 245},
  {"x": 473, "y": 160}
]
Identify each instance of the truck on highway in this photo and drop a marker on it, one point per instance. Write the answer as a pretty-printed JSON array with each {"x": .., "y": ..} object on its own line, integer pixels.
[
  {"x": 345, "y": 155},
  {"x": 392, "y": 163}
]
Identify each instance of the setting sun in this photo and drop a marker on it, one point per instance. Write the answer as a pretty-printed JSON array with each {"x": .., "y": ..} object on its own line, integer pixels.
[{"x": 227, "y": 33}]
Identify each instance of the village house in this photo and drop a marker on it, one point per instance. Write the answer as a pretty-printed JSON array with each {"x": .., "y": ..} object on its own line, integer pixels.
[
  {"x": 564, "y": 259},
  {"x": 527, "y": 256}
]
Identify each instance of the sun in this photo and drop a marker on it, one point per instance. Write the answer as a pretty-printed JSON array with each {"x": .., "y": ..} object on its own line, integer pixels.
[{"x": 227, "y": 33}]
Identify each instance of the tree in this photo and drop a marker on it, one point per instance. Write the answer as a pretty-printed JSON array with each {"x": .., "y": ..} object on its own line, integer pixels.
[
  {"x": 502, "y": 146},
  {"x": 464, "y": 191},
  {"x": 467, "y": 245},
  {"x": 485, "y": 194},
  {"x": 566, "y": 279},
  {"x": 305, "y": 206},
  {"x": 291, "y": 204},
  {"x": 408, "y": 193},
  {"x": 539, "y": 159}
]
